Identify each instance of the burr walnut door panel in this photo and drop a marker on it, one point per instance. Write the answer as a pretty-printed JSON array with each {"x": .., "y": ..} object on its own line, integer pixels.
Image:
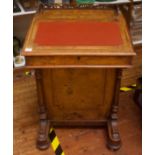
[{"x": 78, "y": 94}]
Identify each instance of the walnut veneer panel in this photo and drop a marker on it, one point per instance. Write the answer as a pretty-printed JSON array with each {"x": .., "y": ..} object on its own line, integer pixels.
[
  {"x": 78, "y": 94},
  {"x": 78, "y": 61}
]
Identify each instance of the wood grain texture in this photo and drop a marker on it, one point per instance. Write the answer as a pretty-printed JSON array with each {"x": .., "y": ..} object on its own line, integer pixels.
[
  {"x": 78, "y": 61},
  {"x": 114, "y": 56},
  {"x": 69, "y": 92},
  {"x": 82, "y": 141},
  {"x": 79, "y": 95}
]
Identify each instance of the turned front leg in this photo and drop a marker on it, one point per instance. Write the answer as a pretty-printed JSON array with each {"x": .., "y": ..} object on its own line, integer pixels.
[
  {"x": 42, "y": 140},
  {"x": 114, "y": 140}
]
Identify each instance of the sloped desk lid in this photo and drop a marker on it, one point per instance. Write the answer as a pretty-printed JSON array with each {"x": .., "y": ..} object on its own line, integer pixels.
[
  {"x": 78, "y": 38},
  {"x": 74, "y": 32}
]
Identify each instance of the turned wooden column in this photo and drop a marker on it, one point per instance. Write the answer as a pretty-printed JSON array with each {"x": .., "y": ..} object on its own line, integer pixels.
[
  {"x": 42, "y": 140},
  {"x": 114, "y": 140}
]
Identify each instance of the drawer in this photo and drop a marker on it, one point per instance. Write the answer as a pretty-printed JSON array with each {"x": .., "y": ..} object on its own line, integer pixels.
[{"x": 78, "y": 61}]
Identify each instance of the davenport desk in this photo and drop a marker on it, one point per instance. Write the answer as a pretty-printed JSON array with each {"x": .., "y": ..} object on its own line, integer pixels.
[{"x": 78, "y": 56}]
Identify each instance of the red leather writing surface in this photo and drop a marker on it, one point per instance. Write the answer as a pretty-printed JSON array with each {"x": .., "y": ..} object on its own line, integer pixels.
[{"x": 59, "y": 33}]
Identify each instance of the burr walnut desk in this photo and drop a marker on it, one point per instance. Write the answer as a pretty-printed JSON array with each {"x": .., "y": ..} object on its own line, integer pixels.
[{"x": 78, "y": 56}]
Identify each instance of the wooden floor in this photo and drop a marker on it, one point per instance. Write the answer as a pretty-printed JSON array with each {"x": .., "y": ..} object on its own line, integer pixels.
[{"x": 73, "y": 141}]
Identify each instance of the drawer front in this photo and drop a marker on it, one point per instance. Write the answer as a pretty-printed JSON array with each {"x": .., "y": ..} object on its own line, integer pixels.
[{"x": 78, "y": 61}]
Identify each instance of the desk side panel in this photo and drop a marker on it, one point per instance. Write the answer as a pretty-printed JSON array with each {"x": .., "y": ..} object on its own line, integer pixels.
[{"x": 78, "y": 94}]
